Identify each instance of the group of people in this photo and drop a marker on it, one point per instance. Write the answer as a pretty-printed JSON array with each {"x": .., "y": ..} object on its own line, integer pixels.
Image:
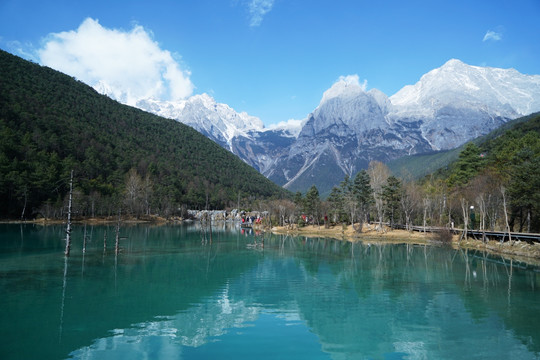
[{"x": 251, "y": 219}]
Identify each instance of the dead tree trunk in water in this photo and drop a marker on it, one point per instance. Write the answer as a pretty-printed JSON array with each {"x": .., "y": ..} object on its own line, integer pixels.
[
  {"x": 117, "y": 242},
  {"x": 206, "y": 226},
  {"x": 84, "y": 240},
  {"x": 25, "y": 201},
  {"x": 68, "y": 228}
]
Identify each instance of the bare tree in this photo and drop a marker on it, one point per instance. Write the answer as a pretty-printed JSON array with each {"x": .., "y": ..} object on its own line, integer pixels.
[
  {"x": 409, "y": 202},
  {"x": 133, "y": 191},
  {"x": 138, "y": 193},
  {"x": 147, "y": 191},
  {"x": 350, "y": 202},
  {"x": 481, "y": 205},
  {"x": 465, "y": 209},
  {"x": 426, "y": 201},
  {"x": 507, "y": 227},
  {"x": 485, "y": 191},
  {"x": 378, "y": 175},
  {"x": 93, "y": 198}
]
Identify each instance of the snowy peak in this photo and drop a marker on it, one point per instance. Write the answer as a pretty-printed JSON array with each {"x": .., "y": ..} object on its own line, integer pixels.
[
  {"x": 453, "y": 63},
  {"x": 204, "y": 105},
  {"x": 506, "y": 92},
  {"x": 218, "y": 121},
  {"x": 347, "y": 107},
  {"x": 345, "y": 86},
  {"x": 458, "y": 102}
]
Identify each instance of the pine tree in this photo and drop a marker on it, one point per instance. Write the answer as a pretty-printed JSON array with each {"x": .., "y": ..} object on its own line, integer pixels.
[
  {"x": 363, "y": 194},
  {"x": 312, "y": 203},
  {"x": 467, "y": 166},
  {"x": 392, "y": 197},
  {"x": 336, "y": 203}
]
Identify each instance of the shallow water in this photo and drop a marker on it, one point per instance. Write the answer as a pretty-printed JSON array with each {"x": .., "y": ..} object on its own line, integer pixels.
[{"x": 174, "y": 293}]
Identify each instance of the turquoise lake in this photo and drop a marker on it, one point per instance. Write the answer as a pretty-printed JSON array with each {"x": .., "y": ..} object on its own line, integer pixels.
[{"x": 174, "y": 292}]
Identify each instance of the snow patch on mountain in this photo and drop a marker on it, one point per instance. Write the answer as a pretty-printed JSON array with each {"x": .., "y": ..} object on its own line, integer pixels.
[{"x": 216, "y": 120}]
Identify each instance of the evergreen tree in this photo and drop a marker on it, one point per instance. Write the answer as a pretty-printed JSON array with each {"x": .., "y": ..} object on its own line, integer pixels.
[
  {"x": 336, "y": 204},
  {"x": 524, "y": 189},
  {"x": 392, "y": 196},
  {"x": 348, "y": 195},
  {"x": 298, "y": 199},
  {"x": 363, "y": 194},
  {"x": 467, "y": 166},
  {"x": 312, "y": 203}
]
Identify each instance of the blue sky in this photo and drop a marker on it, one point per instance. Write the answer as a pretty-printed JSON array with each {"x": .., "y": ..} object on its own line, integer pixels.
[{"x": 270, "y": 58}]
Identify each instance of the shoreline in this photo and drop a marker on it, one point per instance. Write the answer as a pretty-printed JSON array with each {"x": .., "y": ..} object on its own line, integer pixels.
[
  {"x": 97, "y": 220},
  {"x": 520, "y": 251}
]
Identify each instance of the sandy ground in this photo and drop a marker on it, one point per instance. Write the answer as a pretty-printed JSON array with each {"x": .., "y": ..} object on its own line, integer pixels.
[
  {"x": 520, "y": 251},
  {"x": 349, "y": 234}
]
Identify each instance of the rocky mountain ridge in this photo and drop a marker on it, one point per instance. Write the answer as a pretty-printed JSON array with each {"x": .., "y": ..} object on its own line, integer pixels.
[{"x": 351, "y": 126}]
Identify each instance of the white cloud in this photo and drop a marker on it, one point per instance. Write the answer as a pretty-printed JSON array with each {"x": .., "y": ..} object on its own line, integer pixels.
[
  {"x": 127, "y": 65},
  {"x": 353, "y": 80},
  {"x": 292, "y": 126},
  {"x": 492, "y": 35},
  {"x": 258, "y": 9}
]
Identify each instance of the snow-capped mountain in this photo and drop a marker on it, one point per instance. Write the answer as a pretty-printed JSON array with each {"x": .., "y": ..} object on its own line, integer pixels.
[
  {"x": 240, "y": 133},
  {"x": 217, "y": 121},
  {"x": 348, "y": 129},
  {"x": 458, "y": 102},
  {"x": 447, "y": 107}
]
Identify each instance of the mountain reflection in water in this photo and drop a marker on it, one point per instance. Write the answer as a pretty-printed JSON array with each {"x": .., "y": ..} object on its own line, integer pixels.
[{"x": 172, "y": 293}]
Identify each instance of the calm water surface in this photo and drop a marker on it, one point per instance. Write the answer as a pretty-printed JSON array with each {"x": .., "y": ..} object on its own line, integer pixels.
[{"x": 172, "y": 293}]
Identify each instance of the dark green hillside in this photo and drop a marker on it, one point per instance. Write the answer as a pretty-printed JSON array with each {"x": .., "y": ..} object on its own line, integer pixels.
[
  {"x": 506, "y": 160},
  {"x": 51, "y": 123}
]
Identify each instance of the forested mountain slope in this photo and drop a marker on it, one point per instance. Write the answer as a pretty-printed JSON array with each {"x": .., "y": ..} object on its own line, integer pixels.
[
  {"x": 511, "y": 153},
  {"x": 502, "y": 167},
  {"x": 122, "y": 157},
  {"x": 420, "y": 165}
]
